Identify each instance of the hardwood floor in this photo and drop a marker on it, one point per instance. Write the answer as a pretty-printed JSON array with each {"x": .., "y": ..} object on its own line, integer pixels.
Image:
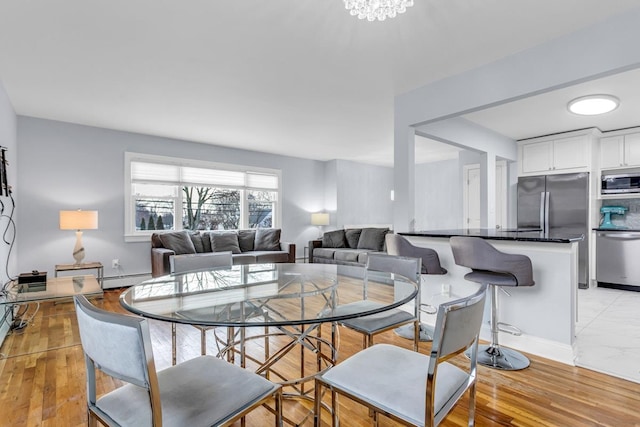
[{"x": 42, "y": 381}]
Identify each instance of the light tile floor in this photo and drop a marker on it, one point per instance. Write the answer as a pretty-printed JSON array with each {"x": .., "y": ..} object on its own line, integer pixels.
[{"x": 608, "y": 332}]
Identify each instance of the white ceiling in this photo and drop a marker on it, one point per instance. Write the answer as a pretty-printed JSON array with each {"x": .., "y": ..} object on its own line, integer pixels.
[{"x": 294, "y": 77}]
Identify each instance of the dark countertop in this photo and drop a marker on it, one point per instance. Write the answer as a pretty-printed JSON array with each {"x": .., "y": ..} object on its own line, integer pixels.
[
  {"x": 617, "y": 229},
  {"x": 493, "y": 234}
]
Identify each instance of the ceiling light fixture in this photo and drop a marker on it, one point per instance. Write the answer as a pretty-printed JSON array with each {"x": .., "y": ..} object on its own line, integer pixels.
[
  {"x": 592, "y": 105},
  {"x": 377, "y": 9}
]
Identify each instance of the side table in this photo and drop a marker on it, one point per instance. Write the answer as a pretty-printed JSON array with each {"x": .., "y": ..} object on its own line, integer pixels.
[{"x": 83, "y": 266}]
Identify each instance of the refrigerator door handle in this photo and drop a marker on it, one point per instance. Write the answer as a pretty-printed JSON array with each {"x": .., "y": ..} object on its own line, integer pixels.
[
  {"x": 542, "y": 205},
  {"x": 546, "y": 212}
]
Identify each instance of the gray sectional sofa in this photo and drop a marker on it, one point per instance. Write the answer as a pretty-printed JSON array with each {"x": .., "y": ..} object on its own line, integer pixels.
[
  {"x": 347, "y": 247},
  {"x": 247, "y": 246}
]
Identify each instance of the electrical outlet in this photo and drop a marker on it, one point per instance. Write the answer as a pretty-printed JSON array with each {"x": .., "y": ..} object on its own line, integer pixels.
[
  {"x": 115, "y": 263},
  {"x": 446, "y": 289}
]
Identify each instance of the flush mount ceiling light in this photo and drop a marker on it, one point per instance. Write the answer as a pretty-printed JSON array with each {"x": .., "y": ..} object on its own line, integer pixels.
[
  {"x": 377, "y": 9},
  {"x": 592, "y": 105}
]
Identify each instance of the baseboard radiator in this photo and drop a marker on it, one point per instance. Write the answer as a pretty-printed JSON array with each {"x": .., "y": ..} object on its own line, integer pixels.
[{"x": 125, "y": 280}]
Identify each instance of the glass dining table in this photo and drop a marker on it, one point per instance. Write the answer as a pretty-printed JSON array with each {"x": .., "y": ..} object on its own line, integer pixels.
[{"x": 271, "y": 315}]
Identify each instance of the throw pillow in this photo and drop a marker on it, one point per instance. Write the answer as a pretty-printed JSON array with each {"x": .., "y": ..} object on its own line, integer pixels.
[
  {"x": 206, "y": 241},
  {"x": 196, "y": 239},
  {"x": 333, "y": 239},
  {"x": 372, "y": 238},
  {"x": 267, "y": 239},
  {"x": 352, "y": 235},
  {"x": 225, "y": 241},
  {"x": 178, "y": 241},
  {"x": 246, "y": 240}
]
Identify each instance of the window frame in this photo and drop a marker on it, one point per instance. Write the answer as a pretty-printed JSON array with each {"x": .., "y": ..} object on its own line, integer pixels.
[{"x": 133, "y": 235}]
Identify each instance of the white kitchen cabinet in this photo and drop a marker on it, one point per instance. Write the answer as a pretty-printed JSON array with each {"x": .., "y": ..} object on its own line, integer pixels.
[
  {"x": 561, "y": 154},
  {"x": 620, "y": 151}
]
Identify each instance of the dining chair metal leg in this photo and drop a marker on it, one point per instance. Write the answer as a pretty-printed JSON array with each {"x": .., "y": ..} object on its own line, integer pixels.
[
  {"x": 203, "y": 342},
  {"x": 173, "y": 344}
]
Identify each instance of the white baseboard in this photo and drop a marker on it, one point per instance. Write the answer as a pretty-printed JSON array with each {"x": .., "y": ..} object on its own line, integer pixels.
[
  {"x": 563, "y": 353},
  {"x": 124, "y": 281}
]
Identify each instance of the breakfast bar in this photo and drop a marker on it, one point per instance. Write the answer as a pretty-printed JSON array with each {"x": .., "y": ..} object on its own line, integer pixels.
[{"x": 545, "y": 313}]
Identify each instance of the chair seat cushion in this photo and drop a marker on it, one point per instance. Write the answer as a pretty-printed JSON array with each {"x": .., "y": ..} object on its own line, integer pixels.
[
  {"x": 395, "y": 379},
  {"x": 373, "y": 322},
  {"x": 199, "y": 392},
  {"x": 490, "y": 277}
]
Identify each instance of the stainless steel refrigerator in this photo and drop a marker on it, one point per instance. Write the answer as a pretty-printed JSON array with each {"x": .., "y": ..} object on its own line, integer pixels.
[{"x": 558, "y": 205}]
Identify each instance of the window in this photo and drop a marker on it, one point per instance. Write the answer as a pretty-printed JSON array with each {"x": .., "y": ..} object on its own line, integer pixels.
[{"x": 175, "y": 194}]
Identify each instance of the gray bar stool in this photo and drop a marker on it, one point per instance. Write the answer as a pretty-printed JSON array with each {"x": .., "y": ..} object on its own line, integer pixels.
[
  {"x": 400, "y": 246},
  {"x": 495, "y": 269}
]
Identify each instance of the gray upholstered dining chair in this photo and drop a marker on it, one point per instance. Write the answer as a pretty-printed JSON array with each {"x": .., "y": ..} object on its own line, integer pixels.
[
  {"x": 198, "y": 263},
  {"x": 374, "y": 324},
  {"x": 205, "y": 391},
  {"x": 409, "y": 387},
  {"x": 400, "y": 246}
]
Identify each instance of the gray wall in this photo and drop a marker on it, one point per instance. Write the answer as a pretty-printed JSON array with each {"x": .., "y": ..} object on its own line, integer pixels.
[
  {"x": 8, "y": 139},
  {"x": 68, "y": 166}
]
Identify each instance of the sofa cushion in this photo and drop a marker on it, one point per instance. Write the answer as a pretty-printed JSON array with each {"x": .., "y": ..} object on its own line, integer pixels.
[
  {"x": 225, "y": 241},
  {"x": 196, "y": 239},
  {"x": 246, "y": 239},
  {"x": 324, "y": 253},
  {"x": 244, "y": 258},
  {"x": 178, "y": 241},
  {"x": 267, "y": 239},
  {"x": 206, "y": 241},
  {"x": 271, "y": 256},
  {"x": 334, "y": 239},
  {"x": 352, "y": 236},
  {"x": 348, "y": 255},
  {"x": 372, "y": 238}
]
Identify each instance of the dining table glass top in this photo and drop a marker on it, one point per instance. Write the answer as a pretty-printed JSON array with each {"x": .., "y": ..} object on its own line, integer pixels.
[{"x": 268, "y": 295}]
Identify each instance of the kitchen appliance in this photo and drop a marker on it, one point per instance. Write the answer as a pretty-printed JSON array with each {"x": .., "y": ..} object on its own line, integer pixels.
[
  {"x": 617, "y": 263},
  {"x": 559, "y": 205},
  {"x": 606, "y": 212},
  {"x": 620, "y": 183}
]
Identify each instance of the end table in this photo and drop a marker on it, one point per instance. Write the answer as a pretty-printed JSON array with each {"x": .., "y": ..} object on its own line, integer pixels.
[{"x": 82, "y": 266}]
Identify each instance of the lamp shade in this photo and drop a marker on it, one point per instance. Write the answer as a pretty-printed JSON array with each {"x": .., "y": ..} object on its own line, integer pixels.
[
  {"x": 78, "y": 220},
  {"x": 320, "y": 219}
]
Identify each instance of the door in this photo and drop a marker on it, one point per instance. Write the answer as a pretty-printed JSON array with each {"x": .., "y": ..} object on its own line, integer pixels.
[
  {"x": 530, "y": 201},
  {"x": 536, "y": 157},
  {"x": 471, "y": 196}
]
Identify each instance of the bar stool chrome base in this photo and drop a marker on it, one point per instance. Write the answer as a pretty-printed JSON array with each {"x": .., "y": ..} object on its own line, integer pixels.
[
  {"x": 406, "y": 331},
  {"x": 501, "y": 358}
]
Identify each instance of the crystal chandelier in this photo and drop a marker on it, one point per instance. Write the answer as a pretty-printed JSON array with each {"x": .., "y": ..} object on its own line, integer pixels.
[{"x": 377, "y": 9}]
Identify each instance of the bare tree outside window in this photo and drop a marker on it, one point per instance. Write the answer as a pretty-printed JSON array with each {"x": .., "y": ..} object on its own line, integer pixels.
[{"x": 207, "y": 208}]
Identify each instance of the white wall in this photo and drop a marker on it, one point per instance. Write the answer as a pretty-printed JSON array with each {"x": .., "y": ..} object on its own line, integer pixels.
[
  {"x": 68, "y": 166},
  {"x": 363, "y": 194},
  {"x": 8, "y": 139},
  {"x": 602, "y": 49},
  {"x": 438, "y": 199}
]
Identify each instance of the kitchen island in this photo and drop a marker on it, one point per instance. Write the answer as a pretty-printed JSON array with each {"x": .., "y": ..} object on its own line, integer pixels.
[{"x": 546, "y": 312}]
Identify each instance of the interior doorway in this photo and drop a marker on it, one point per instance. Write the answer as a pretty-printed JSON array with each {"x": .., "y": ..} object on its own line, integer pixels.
[{"x": 471, "y": 195}]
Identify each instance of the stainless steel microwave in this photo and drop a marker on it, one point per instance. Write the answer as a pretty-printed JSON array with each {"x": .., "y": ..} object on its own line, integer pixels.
[{"x": 621, "y": 184}]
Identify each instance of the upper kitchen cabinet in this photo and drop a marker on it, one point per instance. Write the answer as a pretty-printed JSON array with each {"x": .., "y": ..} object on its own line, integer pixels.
[
  {"x": 620, "y": 151},
  {"x": 557, "y": 154}
]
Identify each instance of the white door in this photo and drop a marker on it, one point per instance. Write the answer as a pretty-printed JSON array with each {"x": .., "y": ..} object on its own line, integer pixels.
[{"x": 471, "y": 194}]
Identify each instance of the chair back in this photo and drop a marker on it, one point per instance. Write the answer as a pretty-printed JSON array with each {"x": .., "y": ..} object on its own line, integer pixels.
[
  {"x": 404, "y": 266},
  {"x": 200, "y": 262},
  {"x": 478, "y": 254},
  {"x": 118, "y": 345},
  {"x": 457, "y": 329},
  {"x": 400, "y": 246}
]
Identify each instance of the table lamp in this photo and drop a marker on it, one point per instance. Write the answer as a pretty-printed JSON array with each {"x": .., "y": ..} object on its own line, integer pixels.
[
  {"x": 320, "y": 219},
  {"x": 78, "y": 220}
]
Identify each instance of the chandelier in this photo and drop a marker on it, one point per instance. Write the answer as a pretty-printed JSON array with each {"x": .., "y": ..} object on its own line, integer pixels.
[{"x": 377, "y": 9}]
